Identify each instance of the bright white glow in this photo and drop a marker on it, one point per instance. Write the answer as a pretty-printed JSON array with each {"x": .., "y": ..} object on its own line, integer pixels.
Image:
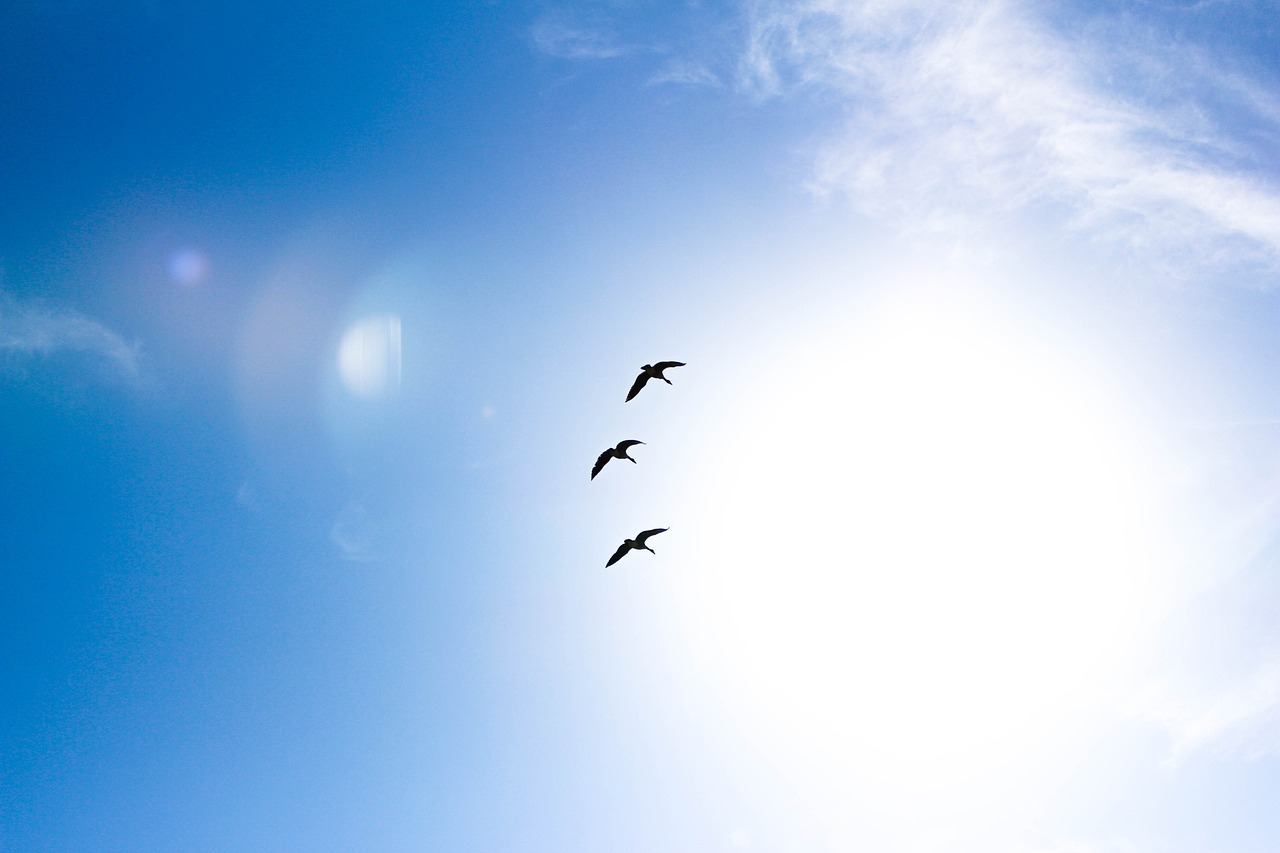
[
  {"x": 921, "y": 545},
  {"x": 369, "y": 356}
]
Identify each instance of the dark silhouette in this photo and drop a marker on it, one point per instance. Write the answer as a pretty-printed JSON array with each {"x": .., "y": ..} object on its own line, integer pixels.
[
  {"x": 619, "y": 452},
  {"x": 636, "y": 544},
  {"x": 652, "y": 371}
]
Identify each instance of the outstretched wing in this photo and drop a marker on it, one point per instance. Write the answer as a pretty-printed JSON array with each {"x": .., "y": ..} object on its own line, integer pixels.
[
  {"x": 630, "y": 442},
  {"x": 663, "y": 365},
  {"x": 618, "y": 554},
  {"x": 646, "y": 534},
  {"x": 638, "y": 384},
  {"x": 600, "y": 463}
]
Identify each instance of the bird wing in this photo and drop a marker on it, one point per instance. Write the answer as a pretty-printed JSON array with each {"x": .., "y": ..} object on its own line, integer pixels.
[
  {"x": 630, "y": 442},
  {"x": 646, "y": 534},
  {"x": 618, "y": 554},
  {"x": 600, "y": 462},
  {"x": 663, "y": 365},
  {"x": 638, "y": 384}
]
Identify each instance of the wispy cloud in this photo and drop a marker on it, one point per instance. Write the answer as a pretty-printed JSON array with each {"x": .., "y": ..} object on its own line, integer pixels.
[
  {"x": 28, "y": 331},
  {"x": 961, "y": 108},
  {"x": 1217, "y": 689},
  {"x": 353, "y": 531},
  {"x": 685, "y": 73},
  {"x": 558, "y": 35},
  {"x": 1242, "y": 720},
  {"x": 1222, "y": 495}
]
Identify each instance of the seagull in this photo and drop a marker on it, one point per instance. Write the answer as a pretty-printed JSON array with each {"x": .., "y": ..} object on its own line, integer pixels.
[
  {"x": 637, "y": 544},
  {"x": 652, "y": 371},
  {"x": 619, "y": 452}
]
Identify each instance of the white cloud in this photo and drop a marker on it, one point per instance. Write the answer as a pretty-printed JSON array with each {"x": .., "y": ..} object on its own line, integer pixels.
[
  {"x": 32, "y": 330},
  {"x": 684, "y": 73},
  {"x": 555, "y": 35},
  {"x": 965, "y": 108}
]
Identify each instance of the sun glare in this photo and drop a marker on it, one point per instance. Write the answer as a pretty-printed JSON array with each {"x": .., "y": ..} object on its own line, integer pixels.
[{"x": 921, "y": 544}]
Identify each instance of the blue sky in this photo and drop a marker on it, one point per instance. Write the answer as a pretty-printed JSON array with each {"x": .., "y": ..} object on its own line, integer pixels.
[{"x": 313, "y": 322}]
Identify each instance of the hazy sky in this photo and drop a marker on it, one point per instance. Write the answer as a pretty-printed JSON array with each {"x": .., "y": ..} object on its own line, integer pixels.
[{"x": 314, "y": 319}]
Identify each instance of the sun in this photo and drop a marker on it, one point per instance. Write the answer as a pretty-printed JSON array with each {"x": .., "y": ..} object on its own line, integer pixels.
[{"x": 921, "y": 542}]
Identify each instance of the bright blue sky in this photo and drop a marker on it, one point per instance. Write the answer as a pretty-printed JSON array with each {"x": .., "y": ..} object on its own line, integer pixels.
[{"x": 313, "y": 322}]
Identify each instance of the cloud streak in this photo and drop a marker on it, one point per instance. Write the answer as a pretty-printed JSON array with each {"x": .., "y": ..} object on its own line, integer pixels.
[
  {"x": 555, "y": 35},
  {"x": 684, "y": 73},
  {"x": 978, "y": 108},
  {"x": 31, "y": 330},
  {"x": 1242, "y": 720},
  {"x": 353, "y": 532}
]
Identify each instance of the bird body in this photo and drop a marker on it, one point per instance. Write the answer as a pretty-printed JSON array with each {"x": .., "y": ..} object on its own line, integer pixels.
[
  {"x": 636, "y": 544},
  {"x": 619, "y": 452},
  {"x": 652, "y": 371}
]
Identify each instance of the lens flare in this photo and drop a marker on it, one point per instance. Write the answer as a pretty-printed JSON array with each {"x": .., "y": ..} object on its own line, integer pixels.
[
  {"x": 189, "y": 267},
  {"x": 369, "y": 356}
]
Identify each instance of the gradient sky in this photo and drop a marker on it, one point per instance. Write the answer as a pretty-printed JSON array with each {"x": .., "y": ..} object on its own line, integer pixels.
[{"x": 314, "y": 319}]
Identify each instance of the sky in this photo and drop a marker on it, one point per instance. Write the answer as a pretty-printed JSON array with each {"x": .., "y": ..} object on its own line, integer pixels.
[{"x": 313, "y": 321}]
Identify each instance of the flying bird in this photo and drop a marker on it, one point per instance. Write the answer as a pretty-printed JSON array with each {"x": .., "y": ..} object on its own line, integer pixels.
[
  {"x": 652, "y": 371},
  {"x": 619, "y": 452},
  {"x": 636, "y": 544}
]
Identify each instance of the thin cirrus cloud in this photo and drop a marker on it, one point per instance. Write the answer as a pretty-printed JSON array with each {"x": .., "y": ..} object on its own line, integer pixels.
[
  {"x": 558, "y": 36},
  {"x": 564, "y": 36},
  {"x": 977, "y": 107},
  {"x": 685, "y": 73},
  {"x": 1234, "y": 710},
  {"x": 31, "y": 331},
  {"x": 353, "y": 532},
  {"x": 1242, "y": 720}
]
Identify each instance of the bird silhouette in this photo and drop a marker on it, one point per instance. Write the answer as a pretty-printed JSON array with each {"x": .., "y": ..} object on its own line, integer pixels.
[
  {"x": 636, "y": 544},
  {"x": 619, "y": 452},
  {"x": 652, "y": 371}
]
